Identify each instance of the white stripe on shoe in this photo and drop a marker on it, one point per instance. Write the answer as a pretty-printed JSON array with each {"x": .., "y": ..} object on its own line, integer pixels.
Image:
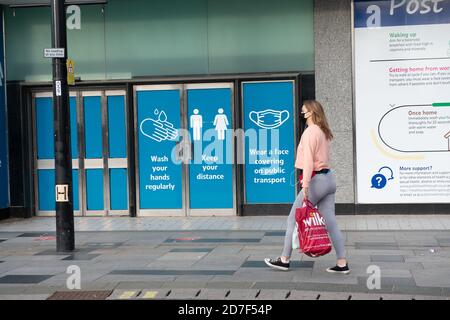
[{"x": 267, "y": 261}]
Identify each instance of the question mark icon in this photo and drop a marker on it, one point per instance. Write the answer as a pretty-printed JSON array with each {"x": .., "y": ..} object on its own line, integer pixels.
[{"x": 378, "y": 181}]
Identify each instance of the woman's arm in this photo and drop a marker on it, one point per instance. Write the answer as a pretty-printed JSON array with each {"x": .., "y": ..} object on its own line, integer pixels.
[{"x": 309, "y": 147}]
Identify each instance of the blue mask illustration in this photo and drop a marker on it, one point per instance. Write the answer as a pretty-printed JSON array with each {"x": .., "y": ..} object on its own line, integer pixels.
[{"x": 269, "y": 119}]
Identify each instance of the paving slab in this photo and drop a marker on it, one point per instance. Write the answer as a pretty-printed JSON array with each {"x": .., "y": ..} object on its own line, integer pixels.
[
  {"x": 432, "y": 277},
  {"x": 124, "y": 294},
  {"x": 419, "y": 297},
  {"x": 25, "y": 297},
  {"x": 391, "y": 281},
  {"x": 180, "y": 256},
  {"x": 387, "y": 258},
  {"x": 212, "y": 294},
  {"x": 194, "y": 278},
  {"x": 184, "y": 284},
  {"x": 12, "y": 289},
  {"x": 396, "y": 297},
  {"x": 275, "y": 285},
  {"x": 156, "y": 294},
  {"x": 139, "y": 285},
  {"x": 183, "y": 294},
  {"x": 302, "y": 295},
  {"x": 405, "y": 289},
  {"x": 364, "y": 296},
  {"x": 333, "y": 296},
  {"x": 220, "y": 284},
  {"x": 241, "y": 294},
  {"x": 23, "y": 279},
  {"x": 272, "y": 294}
]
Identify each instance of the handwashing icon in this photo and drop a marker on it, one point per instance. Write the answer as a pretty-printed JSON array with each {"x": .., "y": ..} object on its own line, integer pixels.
[
  {"x": 269, "y": 119},
  {"x": 160, "y": 129}
]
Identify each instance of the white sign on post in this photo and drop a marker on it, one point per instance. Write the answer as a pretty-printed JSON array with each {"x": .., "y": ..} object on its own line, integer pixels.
[
  {"x": 62, "y": 193},
  {"x": 54, "y": 53},
  {"x": 58, "y": 88}
]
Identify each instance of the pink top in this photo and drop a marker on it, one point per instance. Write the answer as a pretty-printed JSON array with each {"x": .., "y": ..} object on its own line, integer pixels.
[{"x": 313, "y": 153}]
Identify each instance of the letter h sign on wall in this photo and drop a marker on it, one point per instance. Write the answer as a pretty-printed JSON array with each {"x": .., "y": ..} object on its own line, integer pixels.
[{"x": 62, "y": 193}]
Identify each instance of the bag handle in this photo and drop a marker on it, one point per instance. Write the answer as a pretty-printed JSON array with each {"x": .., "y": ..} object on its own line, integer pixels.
[{"x": 308, "y": 203}]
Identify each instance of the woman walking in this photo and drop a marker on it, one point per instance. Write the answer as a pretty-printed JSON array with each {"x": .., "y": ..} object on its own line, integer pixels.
[{"x": 318, "y": 185}]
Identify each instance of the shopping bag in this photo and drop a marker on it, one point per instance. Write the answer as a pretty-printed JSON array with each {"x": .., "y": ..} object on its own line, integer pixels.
[
  {"x": 312, "y": 231},
  {"x": 295, "y": 240}
]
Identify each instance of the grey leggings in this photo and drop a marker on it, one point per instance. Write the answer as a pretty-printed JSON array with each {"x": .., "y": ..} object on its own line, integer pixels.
[{"x": 322, "y": 190}]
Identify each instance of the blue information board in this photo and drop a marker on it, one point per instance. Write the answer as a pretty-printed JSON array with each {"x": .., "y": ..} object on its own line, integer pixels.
[
  {"x": 160, "y": 176},
  {"x": 269, "y": 147},
  {"x": 387, "y": 13},
  {"x": 211, "y": 167},
  {"x": 4, "y": 183}
]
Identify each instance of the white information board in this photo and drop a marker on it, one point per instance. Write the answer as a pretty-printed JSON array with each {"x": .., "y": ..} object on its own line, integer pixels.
[{"x": 402, "y": 101}]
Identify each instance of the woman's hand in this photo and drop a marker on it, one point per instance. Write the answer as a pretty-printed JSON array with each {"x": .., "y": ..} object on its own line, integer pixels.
[{"x": 305, "y": 193}]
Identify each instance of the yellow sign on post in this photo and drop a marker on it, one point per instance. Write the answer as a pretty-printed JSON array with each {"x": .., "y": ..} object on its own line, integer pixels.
[{"x": 70, "y": 72}]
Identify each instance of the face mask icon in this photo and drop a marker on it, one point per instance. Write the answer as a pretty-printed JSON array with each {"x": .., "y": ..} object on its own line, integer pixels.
[{"x": 269, "y": 119}]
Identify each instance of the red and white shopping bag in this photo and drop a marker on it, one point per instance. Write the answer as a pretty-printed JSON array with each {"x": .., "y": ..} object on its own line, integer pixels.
[{"x": 312, "y": 231}]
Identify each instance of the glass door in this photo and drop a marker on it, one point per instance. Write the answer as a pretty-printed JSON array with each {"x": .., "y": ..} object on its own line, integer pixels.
[
  {"x": 44, "y": 153},
  {"x": 99, "y": 151},
  {"x": 159, "y": 156},
  {"x": 104, "y": 153},
  {"x": 185, "y": 150},
  {"x": 211, "y": 177}
]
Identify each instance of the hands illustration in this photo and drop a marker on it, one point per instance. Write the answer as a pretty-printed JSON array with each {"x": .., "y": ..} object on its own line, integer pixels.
[{"x": 160, "y": 129}]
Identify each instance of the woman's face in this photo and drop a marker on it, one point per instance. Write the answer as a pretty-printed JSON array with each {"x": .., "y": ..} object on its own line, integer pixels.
[{"x": 305, "y": 112}]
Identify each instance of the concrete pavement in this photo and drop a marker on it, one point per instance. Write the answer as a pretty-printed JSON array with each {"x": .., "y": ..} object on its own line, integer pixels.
[{"x": 215, "y": 264}]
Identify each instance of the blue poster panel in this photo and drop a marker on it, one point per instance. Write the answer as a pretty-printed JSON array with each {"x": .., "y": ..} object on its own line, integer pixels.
[
  {"x": 4, "y": 184},
  {"x": 116, "y": 127},
  {"x": 44, "y": 128},
  {"x": 46, "y": 187},
  {"x": 118, "y": 189},
  {"x": 211, "y": 167},
  {"x": 160, "y": 176},
  {"x": 94, "y": 189},
  {"x": 45, "y": 132},
  {"x": 269, "y": 143},
  {"x": 93, "y": 127}
]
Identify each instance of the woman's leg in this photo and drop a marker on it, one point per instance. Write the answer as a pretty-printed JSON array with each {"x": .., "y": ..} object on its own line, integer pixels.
[
  {"x": 287, "y": 250},
  {"x": 326, "y": 207},
  {"x": 316, "y": 192}
]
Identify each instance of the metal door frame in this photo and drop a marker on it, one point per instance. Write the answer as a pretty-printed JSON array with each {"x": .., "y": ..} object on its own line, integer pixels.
[
  {"x": 156, "y": 212},
  {"x": 210, "y": 212},
  {"x": 115, "y": 163},
  {"x": 80, "y": 163},
  {"x": 90, "y": 164},
  {"x": 50, "y": 164}
]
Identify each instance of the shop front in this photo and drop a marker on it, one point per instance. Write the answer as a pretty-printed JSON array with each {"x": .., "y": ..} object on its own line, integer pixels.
[{"x": 192, "y": 147}]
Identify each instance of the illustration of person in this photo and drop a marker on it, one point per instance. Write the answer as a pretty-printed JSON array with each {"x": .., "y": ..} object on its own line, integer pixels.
[
  {"x": 221, "y": 123},
  {"x": 196, "y": 124}
]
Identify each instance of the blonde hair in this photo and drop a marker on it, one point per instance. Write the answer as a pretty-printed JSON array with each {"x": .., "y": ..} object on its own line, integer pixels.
[{"x": 318, "y": 117}]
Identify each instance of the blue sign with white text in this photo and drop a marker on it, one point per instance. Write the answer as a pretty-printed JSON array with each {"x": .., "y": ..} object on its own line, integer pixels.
[
  {"x": 4, "y": 184},
  {"x": 211, "y": 167},
  {"x": 160, "y": 176},
  {"x": 386, "y": 13},
  {"x": 269, "y": 145}
]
